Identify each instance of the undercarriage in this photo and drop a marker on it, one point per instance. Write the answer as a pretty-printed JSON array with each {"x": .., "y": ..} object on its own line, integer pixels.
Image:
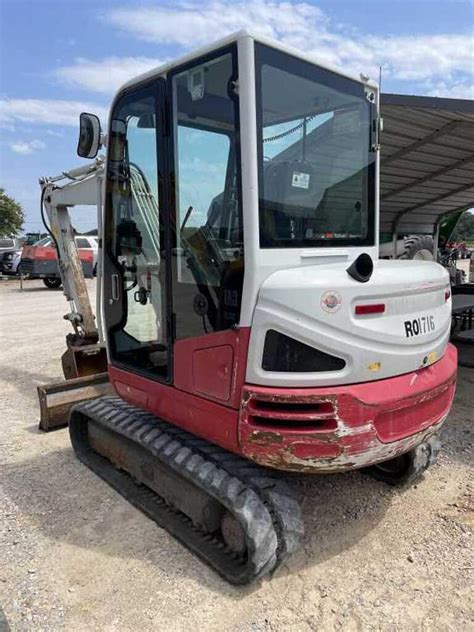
[{"x": 240, "y": 518}]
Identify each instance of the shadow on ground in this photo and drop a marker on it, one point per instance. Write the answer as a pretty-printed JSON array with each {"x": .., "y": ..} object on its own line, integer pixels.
[
  {"x": 69, "y": 503},
  {"x": 25, "y": 382}
]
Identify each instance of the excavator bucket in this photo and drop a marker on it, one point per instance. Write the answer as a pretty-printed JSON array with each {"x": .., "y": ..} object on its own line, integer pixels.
[
  {"x": 85, "y": 370},
  {"x": 83, "y": 361},
  {"x": 57, "y": 399}
]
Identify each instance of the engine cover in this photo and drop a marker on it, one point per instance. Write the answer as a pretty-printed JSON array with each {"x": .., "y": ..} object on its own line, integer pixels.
[{"x": 402, "y": 321}]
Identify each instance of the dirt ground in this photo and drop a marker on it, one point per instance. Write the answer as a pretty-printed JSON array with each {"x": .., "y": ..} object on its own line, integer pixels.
[{"x": 74, "y": 555}]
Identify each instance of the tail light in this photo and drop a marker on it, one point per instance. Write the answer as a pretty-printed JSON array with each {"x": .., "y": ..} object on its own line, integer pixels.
[
  {"x": 375, "y": 308},
  {"x": 447, "y": 294}
]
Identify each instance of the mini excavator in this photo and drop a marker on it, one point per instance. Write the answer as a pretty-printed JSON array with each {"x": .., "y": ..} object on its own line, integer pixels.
[{"x": 245, "y": 322}]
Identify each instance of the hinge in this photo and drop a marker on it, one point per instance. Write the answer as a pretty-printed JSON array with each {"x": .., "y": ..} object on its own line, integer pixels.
[
  {"x": 172, "y": 326},
  {"x": 234, "y": 86},
  {"x": 165, "y": 119}
]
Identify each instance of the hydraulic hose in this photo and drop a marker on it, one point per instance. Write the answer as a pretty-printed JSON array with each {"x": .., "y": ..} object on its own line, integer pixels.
[{"x": 48, "y": 229}]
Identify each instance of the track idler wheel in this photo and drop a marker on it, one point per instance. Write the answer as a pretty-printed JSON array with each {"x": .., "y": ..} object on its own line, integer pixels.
[
  {"x": 233, "y": 534},
  {"x": 407, "y": 467}
]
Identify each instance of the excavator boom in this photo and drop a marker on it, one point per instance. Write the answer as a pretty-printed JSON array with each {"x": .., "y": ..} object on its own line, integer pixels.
[{"x": 84, "y": 362}]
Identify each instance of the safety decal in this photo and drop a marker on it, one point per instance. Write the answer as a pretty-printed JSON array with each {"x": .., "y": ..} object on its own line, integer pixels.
[
  {"x": 374, "y": 367},
  {"x": 300, "y": 180}
]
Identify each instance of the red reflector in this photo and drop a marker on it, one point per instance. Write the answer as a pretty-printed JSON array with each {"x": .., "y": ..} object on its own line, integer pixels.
[
  {"x": 447, "y": 295},
  {"x": 378, "y": 308}
]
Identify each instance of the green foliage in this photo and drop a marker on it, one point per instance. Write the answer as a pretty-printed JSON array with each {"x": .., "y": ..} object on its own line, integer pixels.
[
  {"x": 11, "y": 216},
  {"x": 464, "y": 230}
]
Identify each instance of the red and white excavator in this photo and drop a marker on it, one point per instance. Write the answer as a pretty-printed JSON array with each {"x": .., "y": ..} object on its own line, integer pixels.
[{"x": 249, "y": 325}]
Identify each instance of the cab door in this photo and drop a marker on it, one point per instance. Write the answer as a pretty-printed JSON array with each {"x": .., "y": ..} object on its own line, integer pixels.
[
  {"x": 208, "y": 254},
  {"x": 207, "y": 230},
  {"x": 136, "y": 308}
]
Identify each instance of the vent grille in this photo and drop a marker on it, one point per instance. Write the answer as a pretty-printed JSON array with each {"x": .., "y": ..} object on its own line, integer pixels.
[{"x": 290, "y": 415}]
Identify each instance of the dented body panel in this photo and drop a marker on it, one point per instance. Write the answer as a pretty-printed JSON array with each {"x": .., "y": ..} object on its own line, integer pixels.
[{"x": 348, "y": 427}]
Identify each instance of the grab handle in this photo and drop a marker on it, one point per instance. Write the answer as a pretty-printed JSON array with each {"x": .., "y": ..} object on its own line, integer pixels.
[{"x": 115, "y": 287}]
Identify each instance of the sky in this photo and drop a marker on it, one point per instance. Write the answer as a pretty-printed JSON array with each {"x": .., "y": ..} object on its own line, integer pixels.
[{"x": 61, "y": 57}]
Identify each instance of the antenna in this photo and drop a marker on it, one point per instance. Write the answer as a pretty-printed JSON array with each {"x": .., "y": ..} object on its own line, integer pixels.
[{"x": 380, "y": 78}]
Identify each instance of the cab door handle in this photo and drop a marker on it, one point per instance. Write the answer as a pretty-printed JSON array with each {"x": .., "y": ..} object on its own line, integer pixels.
[{"x": 115, "y": 287}]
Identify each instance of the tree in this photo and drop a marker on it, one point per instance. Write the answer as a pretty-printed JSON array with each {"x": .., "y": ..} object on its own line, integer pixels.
[
  {"x": 11, "y": 216},
  {"x": 464, "y": 230}
]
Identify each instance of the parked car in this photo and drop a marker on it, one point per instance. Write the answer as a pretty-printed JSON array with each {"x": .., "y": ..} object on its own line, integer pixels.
[
  {"x": 9, "y": 261},
  {"x": 9, "y": 244},
  {"x": 10, "y": 253},
  {"x": 89, "y": 243},
  {"x": 40, "y": 260}
]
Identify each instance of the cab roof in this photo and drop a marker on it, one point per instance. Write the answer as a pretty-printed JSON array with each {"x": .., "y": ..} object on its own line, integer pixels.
[{"x": 233, "y": 38}]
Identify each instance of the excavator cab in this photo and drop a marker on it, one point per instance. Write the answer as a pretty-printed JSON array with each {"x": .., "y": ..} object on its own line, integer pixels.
[
  {"x": 173, "y": 238},
  {"x": 174, "y": 188}
]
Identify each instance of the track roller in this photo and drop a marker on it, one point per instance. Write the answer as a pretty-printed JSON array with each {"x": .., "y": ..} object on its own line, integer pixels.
[{"x": 407, "y": 467}]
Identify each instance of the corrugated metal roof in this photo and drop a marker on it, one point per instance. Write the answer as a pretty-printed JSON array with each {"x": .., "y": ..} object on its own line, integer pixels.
[{"x": 427, "y": 161}]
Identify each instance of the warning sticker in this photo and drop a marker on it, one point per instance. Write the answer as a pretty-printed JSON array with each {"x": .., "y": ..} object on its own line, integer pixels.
[{"x": 300, "y": 180}]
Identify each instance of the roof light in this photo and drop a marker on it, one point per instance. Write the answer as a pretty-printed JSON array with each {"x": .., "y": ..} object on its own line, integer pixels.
[{"x": 376, "y": 308}]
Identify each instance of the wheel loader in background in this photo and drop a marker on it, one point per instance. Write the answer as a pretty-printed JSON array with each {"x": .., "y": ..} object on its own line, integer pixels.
[{"x": 250, "y": 327}]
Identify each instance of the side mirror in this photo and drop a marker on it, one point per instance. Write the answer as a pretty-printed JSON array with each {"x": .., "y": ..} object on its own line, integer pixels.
[{"x": 89, "y": 135}]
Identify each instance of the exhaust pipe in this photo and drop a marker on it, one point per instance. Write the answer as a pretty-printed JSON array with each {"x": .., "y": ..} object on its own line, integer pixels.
[{"x": 361, "y": 268}]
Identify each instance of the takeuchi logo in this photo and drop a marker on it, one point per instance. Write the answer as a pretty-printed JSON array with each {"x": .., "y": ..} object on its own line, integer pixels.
[{"x": 331, "y": 301}]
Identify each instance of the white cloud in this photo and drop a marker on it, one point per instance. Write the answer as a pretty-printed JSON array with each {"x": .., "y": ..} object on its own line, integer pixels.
[
  {"x": 52, "y": 132},
  {"x": 456, "y": 90},
  {"x": 105, "y": 75},
  {"x": 49, "y": 111},
  {"x": 27, "y": 147},
  {"x": 191, "y": 24},
  {"x": 304, "y": 26},
  {"x": 422, "y": 56}
]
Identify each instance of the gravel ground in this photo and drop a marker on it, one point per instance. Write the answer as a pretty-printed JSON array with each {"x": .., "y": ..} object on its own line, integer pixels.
[{"x": 75, "y": 556}]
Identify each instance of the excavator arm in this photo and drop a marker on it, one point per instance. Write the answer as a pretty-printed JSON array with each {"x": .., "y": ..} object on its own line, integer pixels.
[
  {"x": 84, "y": 362},
  {"x": 78, "y": 187}
]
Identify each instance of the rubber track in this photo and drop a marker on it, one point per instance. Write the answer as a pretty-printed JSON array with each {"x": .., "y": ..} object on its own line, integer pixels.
[{"x": 263, "y": 504}]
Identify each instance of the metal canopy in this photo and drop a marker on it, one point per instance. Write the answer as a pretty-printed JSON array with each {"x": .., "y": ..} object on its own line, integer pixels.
[{"x": 427, "y": 161}]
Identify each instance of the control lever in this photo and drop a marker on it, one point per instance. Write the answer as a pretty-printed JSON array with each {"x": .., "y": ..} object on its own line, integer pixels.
[{"x": 141, "y": 295}]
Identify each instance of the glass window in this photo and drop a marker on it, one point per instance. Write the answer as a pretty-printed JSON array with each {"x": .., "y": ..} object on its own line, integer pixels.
[
  {"x": 82, "y": 242},
  {"x": 134, "y": 236},
  {"x": 208, "y": 254},
  {"x": 46, "y": 241},
  {"x": 316, "y": 166}
]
